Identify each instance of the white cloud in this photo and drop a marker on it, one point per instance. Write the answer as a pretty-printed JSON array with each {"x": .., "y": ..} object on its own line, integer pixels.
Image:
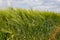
[
  {"x": 45, "y": 7},
  {"x": 34, "y": 2},
  {"x": 9, "y": 2},
  {"x": 19, "y": 1},
  {"x": 14, "y": 3},
  {"x": 42, "y": 7},
  {"x": 57, "y": 0},
  {"x": 0, "y": 1}
]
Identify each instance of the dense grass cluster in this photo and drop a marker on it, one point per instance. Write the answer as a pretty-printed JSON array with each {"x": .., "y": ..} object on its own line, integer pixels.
[{"x": 22, "y": 24}]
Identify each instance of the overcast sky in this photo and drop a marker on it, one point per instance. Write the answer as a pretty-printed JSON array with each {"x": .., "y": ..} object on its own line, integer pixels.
[{"x": 51, "y": 5}]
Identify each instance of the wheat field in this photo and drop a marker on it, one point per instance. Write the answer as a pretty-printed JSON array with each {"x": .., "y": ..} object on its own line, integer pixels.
[{"x": 23, "y": 24}]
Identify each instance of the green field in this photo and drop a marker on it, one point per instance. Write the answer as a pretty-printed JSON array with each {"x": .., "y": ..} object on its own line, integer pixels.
[{"x": 23, "y": 24}]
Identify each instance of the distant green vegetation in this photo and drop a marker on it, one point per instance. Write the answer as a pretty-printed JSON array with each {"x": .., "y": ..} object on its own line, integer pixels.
[{"x": 23, "y": 24}]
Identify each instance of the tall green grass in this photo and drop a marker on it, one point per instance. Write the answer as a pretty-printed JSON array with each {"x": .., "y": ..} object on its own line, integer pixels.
[{"x": 23, "y": 24}]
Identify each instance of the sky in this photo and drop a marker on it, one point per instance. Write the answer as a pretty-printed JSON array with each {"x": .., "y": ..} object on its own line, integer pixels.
[{"x": 50, "y": 5}]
